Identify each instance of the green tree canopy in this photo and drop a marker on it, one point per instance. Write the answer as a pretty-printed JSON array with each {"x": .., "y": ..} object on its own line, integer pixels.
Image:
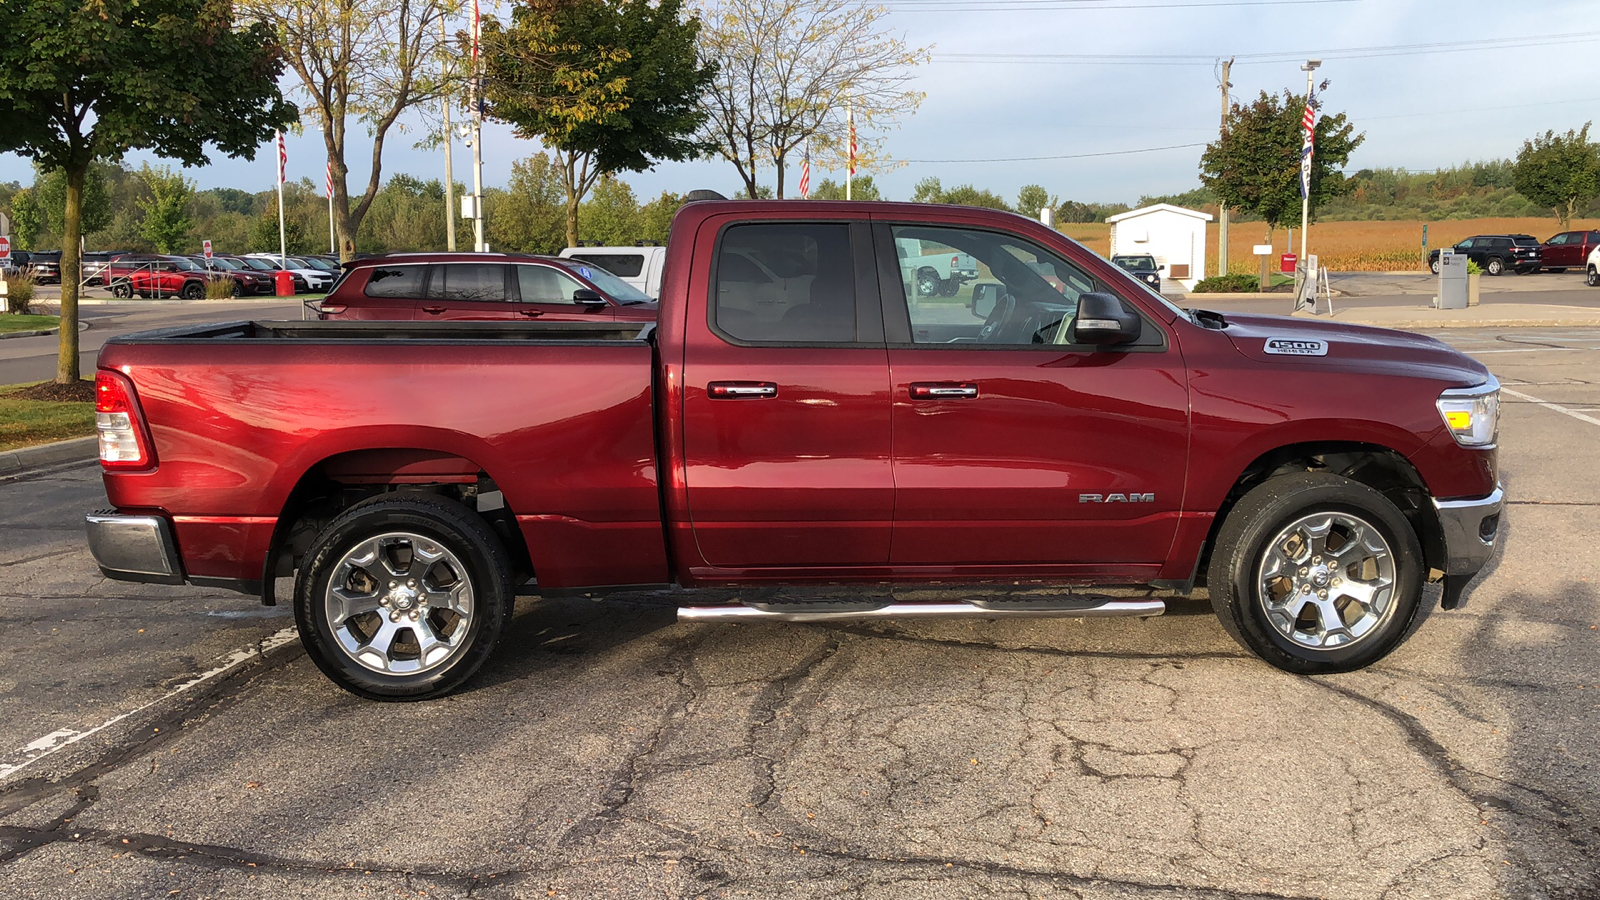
[
  {"x": 530, "y": 216},
  {"x": 1255, "y": 165},
  {"x": 1560, "y": 172},
  {"x": 930, "y": 190},
  {"x": 862, "y": 188},
  {"x": 167, "y": 220},
  {"x": 608, "y": 85},
  {"x": 86, "y": 81}
]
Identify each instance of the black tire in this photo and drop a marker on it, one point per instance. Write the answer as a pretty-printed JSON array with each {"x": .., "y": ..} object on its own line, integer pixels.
[
  {"x": 486, "y": 569},
  {"x": 1494, "y": 265},
  {"x": 1433, "y": 265},
  {"x": 1247, "y": 537},
  {"x": 121, "y": 289},
  {"x": 927, "y": 282},
  {"x": 949, "y": 287},
  {"x": 192, "y": 290},
  {"x": 1592, "y": 277},
  {"x": 1555, "y": 271}
]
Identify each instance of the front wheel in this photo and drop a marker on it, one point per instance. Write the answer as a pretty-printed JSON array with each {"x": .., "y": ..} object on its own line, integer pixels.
[
  {"x": 1495, "y": 266},
  {"x": 1592, "y": 277},
  {"x": 193, "y": 290},
  {"x": 403, "y": 596},
  {"x": 1434, "y": 266},
  {"x": 1316, "y": 573}
]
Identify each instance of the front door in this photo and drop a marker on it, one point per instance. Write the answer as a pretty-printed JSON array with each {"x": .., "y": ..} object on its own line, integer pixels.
[
  {"x": 785, "y": 402},
  {"x": 1013, "y": 446}
]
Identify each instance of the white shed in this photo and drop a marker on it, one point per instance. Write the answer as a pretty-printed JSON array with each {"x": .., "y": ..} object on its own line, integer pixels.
[{"x": 1175, "y": 236}]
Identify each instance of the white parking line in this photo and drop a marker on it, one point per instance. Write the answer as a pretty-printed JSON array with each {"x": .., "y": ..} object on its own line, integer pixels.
[
  {"x": 1548, "y": 405},
  {"x": 35, "y": 750}
]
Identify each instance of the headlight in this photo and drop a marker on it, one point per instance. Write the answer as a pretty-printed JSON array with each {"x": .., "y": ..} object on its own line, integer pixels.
[{"x": 1472, "y": 414}]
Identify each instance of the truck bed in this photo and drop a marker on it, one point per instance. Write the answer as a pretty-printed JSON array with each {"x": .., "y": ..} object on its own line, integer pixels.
[{"x": 383, "y": 332}]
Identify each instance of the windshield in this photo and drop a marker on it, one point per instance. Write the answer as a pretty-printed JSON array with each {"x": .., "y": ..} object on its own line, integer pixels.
[
  {"x": 1136, "y": 263},
  {"x": 259, "y": 264},
  {"x": 317, "y": 262},
  {"x": 614, "y": 287},
  {"x": 218, "y": 262},
  {"x": 184, "y": 263}
]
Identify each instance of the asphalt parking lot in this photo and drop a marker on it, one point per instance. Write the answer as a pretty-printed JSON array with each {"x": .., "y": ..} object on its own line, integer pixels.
[{"x": 160, "y": 741}]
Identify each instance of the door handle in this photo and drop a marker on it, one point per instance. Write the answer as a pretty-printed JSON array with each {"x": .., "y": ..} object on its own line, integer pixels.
[
  {"x": 944, "y": 390},
  {"x": 434, "y": 309},
  {"x": 741, "y": 390},
  {"x": 531, "y": 313}
]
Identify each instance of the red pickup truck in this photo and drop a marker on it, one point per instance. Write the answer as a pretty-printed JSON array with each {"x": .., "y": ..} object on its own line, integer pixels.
[{"x": 806, "y": 426}]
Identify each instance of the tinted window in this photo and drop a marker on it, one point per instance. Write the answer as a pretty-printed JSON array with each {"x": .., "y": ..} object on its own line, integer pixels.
[
  {"x": 468, "y": 282},
  {"x": 545, "y": 284},
  {"x": 396, "y": 282},
  {"x": 624, "y": 265},
  {"x": 1526, "y": 242},
  {"x": 786, "y": 283},
  {"x": 1557, "y": 240}
]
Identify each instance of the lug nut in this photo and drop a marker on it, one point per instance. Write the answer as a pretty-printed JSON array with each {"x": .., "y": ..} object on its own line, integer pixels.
[
  {"x": 394, "y": 617},
  {"x": 394, "y": 584},
  {"x": 411, "y": 582},
  {"x": 383, "y": 601},
  {"x": 1322, "y": 594},
  {"x": 413, "y": 615},
  {"x": 1304, "y": 570}
]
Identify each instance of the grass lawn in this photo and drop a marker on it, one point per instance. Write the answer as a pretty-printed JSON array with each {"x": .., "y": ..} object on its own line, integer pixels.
[
  {"x": 24, "y": 423},
  {"x": 27, "y": 323}
]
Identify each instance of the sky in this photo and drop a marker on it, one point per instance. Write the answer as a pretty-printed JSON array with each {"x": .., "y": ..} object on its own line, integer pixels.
[{"x": 1491, "y": 80}]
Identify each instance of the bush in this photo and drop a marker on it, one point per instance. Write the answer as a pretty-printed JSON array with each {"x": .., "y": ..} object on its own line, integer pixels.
[
  {"x": 219, "y": 287},
  {"x": 1473, "y": 268},
  {"x": 1231, "y": 283},
  {"x": 20, "y": 299}
]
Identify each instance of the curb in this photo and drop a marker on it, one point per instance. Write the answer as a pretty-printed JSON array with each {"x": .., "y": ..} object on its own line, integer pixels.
[
  {"x": 27, "y": 459},
  {"x": 82, "y": 326}
]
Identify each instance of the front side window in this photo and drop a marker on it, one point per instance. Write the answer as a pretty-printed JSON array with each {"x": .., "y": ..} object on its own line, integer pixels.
[
  {"x": 625, "y": 265},
  {"x": 1015, "y": 292},
  {"x": 395, "y": 282},
  {"x": 545, "y": 284},
  {"x": 785, "y": 282},
  {"x": 468, "y": 282},
  {"x": 619, "y": 290},
  {"x": 1557, "y": 240}
]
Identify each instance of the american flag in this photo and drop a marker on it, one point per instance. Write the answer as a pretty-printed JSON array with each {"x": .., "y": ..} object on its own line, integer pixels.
[
  {"x": 477, "y": 30},
  {"x": 283, "y": 157},
  {"x": 852, "y": 142},
  {"x": 805, "y": 174},
  {"x": 330, "y": 179},
  {"x": 1309, "y": 120}
]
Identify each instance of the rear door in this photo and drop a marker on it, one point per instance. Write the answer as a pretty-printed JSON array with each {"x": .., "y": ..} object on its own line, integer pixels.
[
  {"x": 464, "y": 291},
  {"x": 786, "y": 442},
  {"x": 1016, "y": 450},
  {"x": 1559, "y": 250}
]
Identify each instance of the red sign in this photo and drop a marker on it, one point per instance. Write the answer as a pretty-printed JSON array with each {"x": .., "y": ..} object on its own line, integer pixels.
[
  {"x": 1286, "y": 263},
  {"x": 207, "y": 245},
  {"x": 5, "y": 247}
]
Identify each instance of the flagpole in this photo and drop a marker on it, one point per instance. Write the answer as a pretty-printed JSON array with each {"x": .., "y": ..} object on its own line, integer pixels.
[
  {"x": 850, "y": 168},
  {"x": 1305, "y": 167},
  {"x": 333, "y": 244},
  {"x": 283, "y": 244}
]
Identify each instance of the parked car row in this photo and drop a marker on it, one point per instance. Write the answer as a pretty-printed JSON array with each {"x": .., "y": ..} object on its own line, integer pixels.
[{"x": 1523, "y": 253}]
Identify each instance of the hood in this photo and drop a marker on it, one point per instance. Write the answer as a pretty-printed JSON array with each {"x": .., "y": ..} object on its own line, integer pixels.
[{"x": 1309, "y": 343}]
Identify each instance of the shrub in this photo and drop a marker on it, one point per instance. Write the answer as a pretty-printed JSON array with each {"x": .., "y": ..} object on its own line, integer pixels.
[
  {"x": 20, "y": 299},
  {"x": 1473, "y": 268},
  {"x": 219, "y": 287},
  {"x": 1231, "y": 283}
]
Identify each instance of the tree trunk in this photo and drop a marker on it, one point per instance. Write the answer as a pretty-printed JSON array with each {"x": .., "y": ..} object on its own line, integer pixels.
[
  {"x": 569, "y": 172},
  {"x": 779, "y": 193},
  {"x": 67, "y": 369}
]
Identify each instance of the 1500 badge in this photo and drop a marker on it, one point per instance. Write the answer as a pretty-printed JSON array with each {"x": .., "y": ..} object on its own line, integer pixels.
[
  {"x": 1296, "y": 347},
  {"x": 1116, "y": 498}
]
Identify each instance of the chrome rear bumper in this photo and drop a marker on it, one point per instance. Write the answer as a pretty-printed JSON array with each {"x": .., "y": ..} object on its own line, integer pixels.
[{"x": 134, "y": 548}]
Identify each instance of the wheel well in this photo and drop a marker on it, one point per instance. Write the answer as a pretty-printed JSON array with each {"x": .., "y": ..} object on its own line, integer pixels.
[
  {"x": 340, "y": 482},
  {"x": 1377, "y": 467}
]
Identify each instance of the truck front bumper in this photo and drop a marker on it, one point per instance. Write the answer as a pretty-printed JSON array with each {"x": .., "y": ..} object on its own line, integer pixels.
[
  {"x": 134, "y": 548},
  {"x": 1470, "y": 528}
]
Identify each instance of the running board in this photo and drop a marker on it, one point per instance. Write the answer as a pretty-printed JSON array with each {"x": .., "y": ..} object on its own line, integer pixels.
[{"x": 829, "y": 612}]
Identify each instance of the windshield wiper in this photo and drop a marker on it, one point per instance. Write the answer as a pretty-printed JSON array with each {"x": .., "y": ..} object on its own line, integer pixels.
[{"x": 1206, "y": 318}]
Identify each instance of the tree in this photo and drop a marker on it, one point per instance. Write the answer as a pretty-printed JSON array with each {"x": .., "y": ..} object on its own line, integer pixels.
[
  {"x": 862, "y": 188},
  {"x": 531, "y": 216},
  {"x": 87, "y": 81},
  {"x": 655, "y": 217},
  {"x": 362, "y": 59},
  {"x": 611, "y": 215},
  {"x": 1255, "y": 165},
  {"x": 1033, "y": 198},
  {"x": 264, "y": 235},
  {"x": 27, "y": 219},
  {"x": 607, "y": 85},
  {"x": 929, "y": 190},
  {"x": 167, "y": 223},
  {"x": 1559, "y": 171},
  {"x": 788, "y": 69}
]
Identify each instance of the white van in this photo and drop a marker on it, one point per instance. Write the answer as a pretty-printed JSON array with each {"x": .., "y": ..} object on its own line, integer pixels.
[{"x": 638, "y": 266}]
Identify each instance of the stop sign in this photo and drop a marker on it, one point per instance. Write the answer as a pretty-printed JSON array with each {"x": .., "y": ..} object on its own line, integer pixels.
[
  {"x": 208, "y": 249},
  {"x": 5, "y": 247}
]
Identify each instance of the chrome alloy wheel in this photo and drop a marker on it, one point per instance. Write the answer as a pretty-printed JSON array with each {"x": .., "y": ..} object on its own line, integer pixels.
[
  {"x": 399, "y": 604},
  {"x": 1327, "y": 580}
]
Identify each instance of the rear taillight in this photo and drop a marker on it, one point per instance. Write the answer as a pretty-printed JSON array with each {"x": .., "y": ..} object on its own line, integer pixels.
[{"x": 116, "y": 417}]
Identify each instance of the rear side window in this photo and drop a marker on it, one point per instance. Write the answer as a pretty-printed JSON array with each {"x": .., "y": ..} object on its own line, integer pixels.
[
  {"x": 785, "y": 283},
  {"x": 395, "y": 282},
  {"x": 468, "y": 282},
  {"x": 622, "y": 265}
]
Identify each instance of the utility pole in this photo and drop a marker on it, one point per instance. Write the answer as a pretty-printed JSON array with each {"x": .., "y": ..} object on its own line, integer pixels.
[
  {"x": 449, "y": 172},
  {"x": 1222, "y": 208},
  {"x": 477, "y": 131}
]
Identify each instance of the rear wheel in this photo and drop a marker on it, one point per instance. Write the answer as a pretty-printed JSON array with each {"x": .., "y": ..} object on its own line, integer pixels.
[
  {"x": 1495, "y": 265},
  {"x": 1316, "y": 573},
  {"x": 1433, "y": 264},
  {"x": 192, "y": 290},
  {"x": 949, "y": 287},
  {"x": 403, "y": 596},
  {"x": 121, "y": 289},
  {"x": 928, "y": 282},
  {"x": 1592, "y": 277}
]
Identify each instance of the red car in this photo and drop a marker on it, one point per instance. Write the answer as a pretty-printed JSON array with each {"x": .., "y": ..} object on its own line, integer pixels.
[
  {"x": 149, "y": 275},
  {"x": 446, "y": 286},
  {"x": 802, "y": 416},
  {"x": 1569, "y": 250}
]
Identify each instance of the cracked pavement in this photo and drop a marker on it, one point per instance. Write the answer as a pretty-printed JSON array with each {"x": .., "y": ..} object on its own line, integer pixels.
[{"x": 608, "y": 751}]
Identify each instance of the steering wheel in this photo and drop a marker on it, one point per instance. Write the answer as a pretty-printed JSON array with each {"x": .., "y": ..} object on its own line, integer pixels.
[{"x": 1003, "y": 308}]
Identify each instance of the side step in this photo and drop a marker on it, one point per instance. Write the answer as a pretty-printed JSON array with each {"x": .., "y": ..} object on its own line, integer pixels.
[{"x": 974, "y": 609}]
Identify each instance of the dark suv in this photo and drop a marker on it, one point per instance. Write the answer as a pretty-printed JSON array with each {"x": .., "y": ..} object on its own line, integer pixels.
[
  {"x": 1141, "y": 266},
  {"x": 46, "y": 266},
  {"x": 1496, "y": 253}
]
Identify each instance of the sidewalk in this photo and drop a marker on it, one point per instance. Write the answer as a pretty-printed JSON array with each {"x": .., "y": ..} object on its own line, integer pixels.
[{"x": 1484, "y": 315}]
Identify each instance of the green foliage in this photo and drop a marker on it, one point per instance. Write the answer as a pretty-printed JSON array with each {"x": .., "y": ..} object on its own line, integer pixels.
[
  {"x": 1473, "y": 268},
  {"x": 611, "y": 215},
  {"x": 1200, "y": 198},
  {"x": 1255, "y": 166},
  {"x": 609, "y": 85},
  {"x": 1468, "y": 191},
  {"x": 1071, "y": 211},
  {"x": 167, "y": 223},
  {"x": 264, "y": 235},
  {"x": 863, "y": 188},
  {"x": 530, "y": 216},
  {"x": 1231, "y": 283},
  {"x": 27, "y": 219},
  {"x": 929, "y": 190},
  {"x": 1560, "y": 172},
  {"x": 50, "y": 193},
  {"x": 655, "y": 217},
  {"x": 19, "y": 300},
  {"x": 1033, "y": 198},
  {"x": 406, "y": 214}
]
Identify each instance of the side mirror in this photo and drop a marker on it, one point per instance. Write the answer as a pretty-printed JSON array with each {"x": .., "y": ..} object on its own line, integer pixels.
[
  {"x": 586, "y": 297},
  {"x": 1103, "y": 320},
  {"x": 984, "y": 297}
]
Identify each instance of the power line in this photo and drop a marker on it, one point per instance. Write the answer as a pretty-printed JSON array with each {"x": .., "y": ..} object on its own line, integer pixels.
[
  {"x": 1171, "y": 59},
  {"x": 1067, "y": 156},
  {"x": 1081, "y": 5}
]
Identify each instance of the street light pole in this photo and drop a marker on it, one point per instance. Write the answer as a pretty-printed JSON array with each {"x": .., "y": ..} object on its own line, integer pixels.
[
  {"x": 1305, "y": 198},
  {"x": 449, "y": 171}
]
